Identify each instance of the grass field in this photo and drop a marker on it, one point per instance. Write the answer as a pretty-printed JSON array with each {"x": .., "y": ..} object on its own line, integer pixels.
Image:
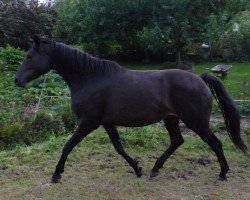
[{"x": 95, "y": 171}]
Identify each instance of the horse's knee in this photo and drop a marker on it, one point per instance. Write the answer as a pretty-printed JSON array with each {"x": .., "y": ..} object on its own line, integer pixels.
[{"x": 175, "y": 143}]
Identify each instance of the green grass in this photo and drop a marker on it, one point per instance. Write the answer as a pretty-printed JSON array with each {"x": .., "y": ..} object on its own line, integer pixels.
[
  {"x": 95, "y": 171},
  {"x": 239, "y": 73}
]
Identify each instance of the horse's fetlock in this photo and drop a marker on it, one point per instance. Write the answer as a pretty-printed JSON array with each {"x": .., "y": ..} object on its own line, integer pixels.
[
  {"x": 138, "y": 172},
  {"x": 158, "y": 165},
  {"x": 136, "y": 162},
  {"x": 59, "y": 169}
]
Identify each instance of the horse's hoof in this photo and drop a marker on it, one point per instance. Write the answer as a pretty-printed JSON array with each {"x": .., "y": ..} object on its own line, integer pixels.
[
  {"x": 139, "y": 172},
  {"x": 56, "y": 178},
  {"x": 154, "y": 173},
  {"x": 222, "y": 178}
]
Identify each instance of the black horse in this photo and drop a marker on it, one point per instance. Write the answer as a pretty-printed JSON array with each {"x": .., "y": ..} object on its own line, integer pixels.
[{"x": 104, "y": 93}]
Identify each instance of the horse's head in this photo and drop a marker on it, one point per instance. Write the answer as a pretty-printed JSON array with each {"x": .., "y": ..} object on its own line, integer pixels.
[{"x": 36, "y": 63}]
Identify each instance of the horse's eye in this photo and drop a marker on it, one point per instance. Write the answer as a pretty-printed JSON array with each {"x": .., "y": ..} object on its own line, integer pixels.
[{"x": 29, "y": 56}]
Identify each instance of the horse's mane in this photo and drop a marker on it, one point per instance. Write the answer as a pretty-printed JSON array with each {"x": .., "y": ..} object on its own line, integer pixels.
[{"x": 82, "y": 62}]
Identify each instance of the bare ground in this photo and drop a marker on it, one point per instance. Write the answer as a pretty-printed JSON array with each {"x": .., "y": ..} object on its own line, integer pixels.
[{"x": 97, "y": 172}]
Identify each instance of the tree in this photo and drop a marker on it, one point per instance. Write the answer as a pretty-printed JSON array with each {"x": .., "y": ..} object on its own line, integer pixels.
[
  {"x": 111, "y": 27},
  {"x": 107, "y": 26},
  {"x": 21, "y": 19},
  {"x": 237, "y": 37},
  {"x": 220, "y": 26},
  {"x": 178, "y": 23}
]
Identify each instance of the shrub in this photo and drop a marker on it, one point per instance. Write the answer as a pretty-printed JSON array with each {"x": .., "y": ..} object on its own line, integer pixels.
[
  {"x": 184, "y": 65},
  {"x": 114, "y": 48},
  {"x": 46, "y": 122},
  {"x": 14, "y": 130},
  {"x": 245, "y": 108},
  {"x": 11, "y": 57},
  {"x": 68, "y": 118}
]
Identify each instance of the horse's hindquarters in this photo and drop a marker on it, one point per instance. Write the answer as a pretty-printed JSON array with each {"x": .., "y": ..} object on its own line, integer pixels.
[{"x": 190, "y": 98}]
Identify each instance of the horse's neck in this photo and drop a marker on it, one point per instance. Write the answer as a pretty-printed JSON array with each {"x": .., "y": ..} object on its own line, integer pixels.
[
  {"x": 71, "y": 78},
  {"x": 65, "y": 68},
  {"x": 77, "y": 71}
]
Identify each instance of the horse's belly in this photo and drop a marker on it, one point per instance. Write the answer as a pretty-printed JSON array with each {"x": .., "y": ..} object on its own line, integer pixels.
[{"x": 135, "y": 117}]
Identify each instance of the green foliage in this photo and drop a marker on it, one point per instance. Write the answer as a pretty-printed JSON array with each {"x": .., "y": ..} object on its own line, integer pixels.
[
  {"x": 181, "y": 22},
  {"x": 68, "y": 118},
  {"x": 153, "y": 39},
  {"x": 228, "y": 31},
  {"x": 141, "y": 28},
  {"x": 245, "y": 108},
  {"x": 46, "y": 122},
  {"x": 112, "y": 25},
  {"x": 15, "y": 128},
  {"x": 132, "y": 28},
  {"x": 18, "y": 123},
  {"x": 11, "y": 57},
  {"x": 238, "y": 36}
]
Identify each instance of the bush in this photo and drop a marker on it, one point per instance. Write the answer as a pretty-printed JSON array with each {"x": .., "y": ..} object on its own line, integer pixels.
[
  {"x": 18, "y": 107},
  {"x": 11, "y": 57},
  {"x": 184, "y": 65},
  {"x": 245, "y": 108},
  {"x": 68, "y": 118},
  {"x": 14, "y": 130},
  {"x": 234, "y": 43},
  {"x": 114, "y": 48},
  {"x": 46, "y": 122}
]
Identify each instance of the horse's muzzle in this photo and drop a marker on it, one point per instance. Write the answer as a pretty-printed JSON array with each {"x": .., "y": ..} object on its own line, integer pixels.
[{"x": 19, "y": 83}]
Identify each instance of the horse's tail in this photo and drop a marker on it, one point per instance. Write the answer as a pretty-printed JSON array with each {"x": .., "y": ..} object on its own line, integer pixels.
[{"x": 229, "y": 111}]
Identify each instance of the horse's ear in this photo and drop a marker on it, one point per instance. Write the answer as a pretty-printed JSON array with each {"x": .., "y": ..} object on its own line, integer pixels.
[{"x": 37, "y": 40}]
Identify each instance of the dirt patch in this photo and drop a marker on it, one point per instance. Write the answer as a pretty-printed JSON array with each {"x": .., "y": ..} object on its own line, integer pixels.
[{"x": 244, "y": 122}]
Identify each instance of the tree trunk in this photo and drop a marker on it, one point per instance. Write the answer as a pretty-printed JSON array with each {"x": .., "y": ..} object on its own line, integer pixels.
[{"x": 178, "y": 56}]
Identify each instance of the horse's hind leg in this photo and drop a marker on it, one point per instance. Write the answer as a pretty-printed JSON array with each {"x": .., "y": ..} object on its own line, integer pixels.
[
  {"x": 216, "y": 145},
  {"x": 115, "y": 139},
  {"x": 176, "y": 140}
]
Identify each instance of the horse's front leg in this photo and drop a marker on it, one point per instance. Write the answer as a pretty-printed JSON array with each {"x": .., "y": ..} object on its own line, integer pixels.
[
  {"x": 115, "y": 138},
  {"x": 82, "y": 131}
]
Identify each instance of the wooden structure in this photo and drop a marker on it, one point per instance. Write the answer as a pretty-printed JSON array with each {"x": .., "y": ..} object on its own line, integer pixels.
[{"x": 221, "y": 70}]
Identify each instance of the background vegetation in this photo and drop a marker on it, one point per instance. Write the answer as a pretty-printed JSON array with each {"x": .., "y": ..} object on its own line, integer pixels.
[{"x": 134, "y": 29}]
